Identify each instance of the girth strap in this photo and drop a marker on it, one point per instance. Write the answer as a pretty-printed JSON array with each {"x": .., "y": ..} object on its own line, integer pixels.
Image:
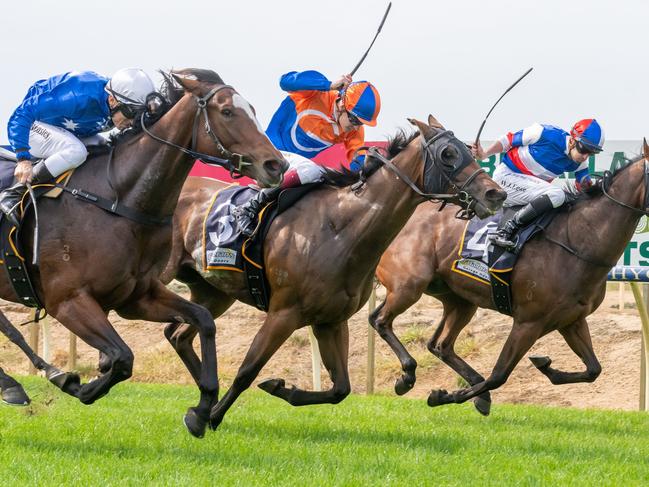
[{"x": 117, "y": 208}]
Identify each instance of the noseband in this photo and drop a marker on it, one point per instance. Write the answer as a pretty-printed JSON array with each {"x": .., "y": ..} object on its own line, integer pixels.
[
  {"x": 231, "y": 161},
  {"x": 445, "y": 174}
]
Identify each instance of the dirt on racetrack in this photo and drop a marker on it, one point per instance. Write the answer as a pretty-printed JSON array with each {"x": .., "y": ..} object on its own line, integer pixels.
[{"x": 616, "y": 338}]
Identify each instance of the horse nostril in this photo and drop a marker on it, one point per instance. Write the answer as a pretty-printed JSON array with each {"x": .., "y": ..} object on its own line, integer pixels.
[
  {"x": 496, "y": 195},
  {"x": 275, "y": 167}
]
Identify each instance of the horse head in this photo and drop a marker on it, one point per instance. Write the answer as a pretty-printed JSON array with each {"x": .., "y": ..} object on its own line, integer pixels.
[
  {"x": 449, "y": 165},
  {"x": 231, "y": 129}
]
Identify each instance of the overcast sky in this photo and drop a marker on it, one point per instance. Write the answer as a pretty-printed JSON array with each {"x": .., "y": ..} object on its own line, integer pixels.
[{"x": 452, "y": 58}]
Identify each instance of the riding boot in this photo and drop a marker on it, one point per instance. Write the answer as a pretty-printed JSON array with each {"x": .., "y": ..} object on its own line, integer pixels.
[
  {"x": 536, "y": 207},
  {"x": 246, "y": 214},
  {"x": 11, "y": 197}
]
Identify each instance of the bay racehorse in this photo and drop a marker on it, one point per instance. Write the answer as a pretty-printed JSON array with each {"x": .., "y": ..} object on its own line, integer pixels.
[
  {"x": 560, "y": 279},
  {"x": 92, "y": 261},
  {"x": 320, "y": 254}
]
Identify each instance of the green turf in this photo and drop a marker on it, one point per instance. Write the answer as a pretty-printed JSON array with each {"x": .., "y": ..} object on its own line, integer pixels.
[{"x": 135, "y": 436}]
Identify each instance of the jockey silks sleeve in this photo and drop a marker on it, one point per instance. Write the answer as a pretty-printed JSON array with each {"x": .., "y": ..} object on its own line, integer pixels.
[
  {"x": 305, "y": 122},
  {"x": 541, "y": 151},
  {"x": 74, "y": 101}
]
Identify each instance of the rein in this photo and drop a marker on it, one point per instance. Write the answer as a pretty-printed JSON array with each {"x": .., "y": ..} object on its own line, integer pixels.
[
  {"x": 462, "y": 197},
  {"x": 233, "y": 162},
  {"x": 606, "y": 180}
]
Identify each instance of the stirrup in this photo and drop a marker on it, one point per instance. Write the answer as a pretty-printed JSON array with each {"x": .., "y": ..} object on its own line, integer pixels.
[{"x": 507, "y": 243}]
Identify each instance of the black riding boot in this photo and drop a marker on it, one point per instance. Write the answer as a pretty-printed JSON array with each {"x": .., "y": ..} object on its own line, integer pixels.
[
  {"x": 246, "y": 214},
  {"x": 536, "y": 207},
  {"x": 10, "y": 198}
]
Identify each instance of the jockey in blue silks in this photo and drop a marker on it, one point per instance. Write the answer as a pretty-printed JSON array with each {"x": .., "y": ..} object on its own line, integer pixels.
[
  {"x": 59, "y": 114},
  {"x": 533, "y": 158}
]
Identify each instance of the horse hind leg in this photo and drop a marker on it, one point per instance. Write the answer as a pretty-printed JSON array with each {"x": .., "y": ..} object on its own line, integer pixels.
[
  {"x": 12, "y": 392},
  {"x": 457, "y": 314},
  {"x": 68, "y": 382},
  {"x": 577, "y": 336},
  {"x": 333, "y": 341},
  {"x": 381, "y": 320}
]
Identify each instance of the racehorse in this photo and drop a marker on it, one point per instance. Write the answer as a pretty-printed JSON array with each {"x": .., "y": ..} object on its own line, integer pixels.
[
  {"x": 92, "y": 262},
  {"x": 559, "y": 279},
  {"x": 320, "y": 254}
]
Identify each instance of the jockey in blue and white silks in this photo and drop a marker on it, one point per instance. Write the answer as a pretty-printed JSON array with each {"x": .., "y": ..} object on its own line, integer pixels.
[
  {"x": 59, "y": 113},
  {"x": 533, "y": 158}
]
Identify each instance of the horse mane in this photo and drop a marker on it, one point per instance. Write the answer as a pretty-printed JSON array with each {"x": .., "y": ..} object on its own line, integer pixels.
[
  {"x": 170, "y": 93},
  {"x": 574, "y": 197},
  {"x": 343, "y": 177}
]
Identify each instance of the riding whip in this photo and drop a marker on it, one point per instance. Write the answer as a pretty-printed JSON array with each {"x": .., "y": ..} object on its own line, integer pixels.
[
  {"x": 477, "y": 139},
  {"x": 385, "y": 16}
]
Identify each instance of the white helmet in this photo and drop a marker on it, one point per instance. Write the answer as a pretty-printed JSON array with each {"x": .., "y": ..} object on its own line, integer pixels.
[{"x": 130, "y": 86}]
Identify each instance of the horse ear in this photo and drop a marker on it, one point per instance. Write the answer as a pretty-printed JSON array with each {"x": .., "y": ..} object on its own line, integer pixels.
[
  {"x": 423, "y": 128},
  {"x": 645, "y": 148},
  {"x": 433, "y": 122},
  {"x": 188, "y": 81}
]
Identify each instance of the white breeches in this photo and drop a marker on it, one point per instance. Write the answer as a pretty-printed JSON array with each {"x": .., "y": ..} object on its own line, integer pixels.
[
  {"x": 521, "y": 188},
  {"x": 60, "y": 149}
]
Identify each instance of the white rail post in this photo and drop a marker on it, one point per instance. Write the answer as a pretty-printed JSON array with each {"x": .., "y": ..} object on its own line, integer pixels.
[
  {"x": 644, "y": 354},
  {"x": 33, "y": 339},
  {"x": 315, "y": 361}
]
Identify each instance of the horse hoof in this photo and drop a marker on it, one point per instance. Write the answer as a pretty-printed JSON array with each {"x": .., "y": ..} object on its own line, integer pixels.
[
  {"x": 69, "y": 382},
  {"x": 539, "y": 361},
  {"x": 483, "y": 406},
  {"x": 271, "y": 385},
  {"x": 401, "y": 386},
  {"x": 194, "y": 424},
  {"x": 15, "y": 396},
  {"x": 435, "y": 398}
]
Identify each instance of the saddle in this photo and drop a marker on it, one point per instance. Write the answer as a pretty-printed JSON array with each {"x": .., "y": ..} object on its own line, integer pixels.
[
  {"x": 482, "y": 261},
  {"x": 225, "y": 248}
]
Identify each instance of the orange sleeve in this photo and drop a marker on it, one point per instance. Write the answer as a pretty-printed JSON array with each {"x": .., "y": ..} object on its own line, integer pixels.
[{"x": 354, "y": 140}]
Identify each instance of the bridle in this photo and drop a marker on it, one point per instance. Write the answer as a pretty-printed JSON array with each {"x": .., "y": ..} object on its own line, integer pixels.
[
  {"x": 231, "y": 161},
  {"x": 607, "y": 179},
  {"x": 437, "y": 175}
]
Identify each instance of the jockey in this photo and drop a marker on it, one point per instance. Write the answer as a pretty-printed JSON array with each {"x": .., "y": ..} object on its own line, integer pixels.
[
  {"x": 533, "y": 158},
  {"x": 57, "y": 112},
  {"x": 316, "y": 114}
]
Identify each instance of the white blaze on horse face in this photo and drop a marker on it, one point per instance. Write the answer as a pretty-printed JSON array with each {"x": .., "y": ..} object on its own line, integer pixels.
[{"x": 240, "y": 102}]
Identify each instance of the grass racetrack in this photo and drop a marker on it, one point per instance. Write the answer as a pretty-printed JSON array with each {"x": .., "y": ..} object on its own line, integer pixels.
[{"x": 135, "y": 436}]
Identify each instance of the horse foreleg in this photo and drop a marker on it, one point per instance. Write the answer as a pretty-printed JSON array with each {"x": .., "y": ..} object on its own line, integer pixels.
[
  {"x": 333, "y": 341},
  {"x": 577, "y": 336},
  {"x": 12, "y": 392},
  {"x": 67, "y": 382},
  {"x": 162, "y": 305},
  {"x": 277, "y": 327},
  {"x": 519, "y": 341},
  {"x": 381, "y": 320},
  {"x": 181, "y": 336},
  {"x": 457, "y": 314}
]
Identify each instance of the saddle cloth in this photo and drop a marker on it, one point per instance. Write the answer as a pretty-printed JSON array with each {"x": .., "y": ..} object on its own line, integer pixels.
[
  {"x": 479, "y": 259},
  {"x": 223, "y": 242}
]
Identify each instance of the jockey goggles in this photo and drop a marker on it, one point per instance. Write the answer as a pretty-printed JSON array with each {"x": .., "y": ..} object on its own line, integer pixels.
[
  {"x": 129, "y": 111},
  {"x": 353, "y": 119},
  {"x": 583, "y": 149}
]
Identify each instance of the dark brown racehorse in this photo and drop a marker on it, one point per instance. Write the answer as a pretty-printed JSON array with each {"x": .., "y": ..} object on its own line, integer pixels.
[
  {"x": 321, "y": 255},
  {"x": 560, "y": 279},
  {"x": 92, "y": 261}
]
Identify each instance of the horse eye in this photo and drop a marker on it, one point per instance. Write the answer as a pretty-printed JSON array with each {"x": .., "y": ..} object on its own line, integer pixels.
[
  {"x": 449, "y": 155},
  {"x": 226, "y": 112}
]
